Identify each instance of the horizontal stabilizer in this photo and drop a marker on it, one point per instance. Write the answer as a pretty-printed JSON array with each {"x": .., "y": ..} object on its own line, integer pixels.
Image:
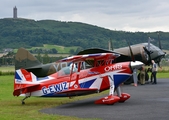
[
  {"x": 24, "y": 82},
  {"x": 24, "y": 88}
]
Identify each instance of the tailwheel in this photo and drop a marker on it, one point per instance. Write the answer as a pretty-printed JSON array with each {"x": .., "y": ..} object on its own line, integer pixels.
[
  {"x": 24, "y": 99},
  {"x": 23, "y": 102},
  {"x": 124, "y": 97}
]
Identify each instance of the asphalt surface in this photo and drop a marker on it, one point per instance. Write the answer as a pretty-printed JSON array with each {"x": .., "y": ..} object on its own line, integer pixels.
[{"x": 147, "y": 102}]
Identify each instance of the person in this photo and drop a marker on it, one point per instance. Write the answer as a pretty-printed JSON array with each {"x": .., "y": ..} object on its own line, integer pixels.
[
  {"x": 142, "y": 75},
  {"x": 154, "y": 71}
]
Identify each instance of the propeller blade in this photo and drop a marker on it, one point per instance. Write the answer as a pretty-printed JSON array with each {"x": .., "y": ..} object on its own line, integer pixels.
[
  {"x": 149, "y": 39},
  {"x": 147, "y": 51},
  {"x": 110, "y": 45},
  {"x": 131, "y": 52},
  {"x": 159, "y": 41}
]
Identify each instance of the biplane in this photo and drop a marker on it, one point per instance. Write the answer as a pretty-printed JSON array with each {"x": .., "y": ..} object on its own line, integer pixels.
[{"x": 87, "y": 74}]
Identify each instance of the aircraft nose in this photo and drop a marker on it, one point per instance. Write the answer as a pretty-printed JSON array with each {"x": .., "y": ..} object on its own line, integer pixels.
[{"x": 136, "y": 64}]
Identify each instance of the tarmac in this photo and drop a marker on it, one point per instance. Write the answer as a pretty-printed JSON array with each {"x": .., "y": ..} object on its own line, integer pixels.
[{"x": 149, "y": 101}]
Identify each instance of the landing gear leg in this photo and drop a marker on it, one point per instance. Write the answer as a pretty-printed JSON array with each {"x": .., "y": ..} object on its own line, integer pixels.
[{"x": 24, "y": 99}]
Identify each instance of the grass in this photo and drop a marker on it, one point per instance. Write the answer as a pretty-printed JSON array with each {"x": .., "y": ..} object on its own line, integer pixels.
[
  {"x": 7, "y": 68},
  {"x": 11, "y": 108},
  {"x": 163, "y": 75}
]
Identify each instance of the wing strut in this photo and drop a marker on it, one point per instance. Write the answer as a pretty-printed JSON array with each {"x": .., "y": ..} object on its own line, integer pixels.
[{"x": 76, "y": 84}]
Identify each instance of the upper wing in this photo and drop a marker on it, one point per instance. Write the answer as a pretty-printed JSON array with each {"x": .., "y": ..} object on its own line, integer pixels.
[{"x": 90, "y": 57}]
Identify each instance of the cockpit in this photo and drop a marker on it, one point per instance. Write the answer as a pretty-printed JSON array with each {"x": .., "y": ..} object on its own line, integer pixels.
[{"x": 66, "y": 71}]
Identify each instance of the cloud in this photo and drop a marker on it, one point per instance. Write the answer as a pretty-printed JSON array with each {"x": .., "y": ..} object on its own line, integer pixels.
[{"x": 128, "y": 15}]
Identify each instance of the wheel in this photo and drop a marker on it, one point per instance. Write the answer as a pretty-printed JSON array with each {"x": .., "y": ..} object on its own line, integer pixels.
[{"x": 23, "y": 102}]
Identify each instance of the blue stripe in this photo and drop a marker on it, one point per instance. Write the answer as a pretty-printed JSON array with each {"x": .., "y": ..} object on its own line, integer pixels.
[
  {"x": 118, "y": 79},
  {"x": 17, "y": 76},
  {"x": 87, "y": 84}
]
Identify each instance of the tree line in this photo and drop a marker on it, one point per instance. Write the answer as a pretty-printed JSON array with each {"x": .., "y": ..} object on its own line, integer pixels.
[
  {"x": 16, "y": 33},
  {"x": 9, "y": 59}
]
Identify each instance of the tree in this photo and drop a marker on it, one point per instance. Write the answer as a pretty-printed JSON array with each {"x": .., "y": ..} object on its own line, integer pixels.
[
  {"x": 39, "y": 57},
  {"x": 46, "y": 58},
  {"x": 54, "y": 51},
  {"x": 71, "y": 51}
]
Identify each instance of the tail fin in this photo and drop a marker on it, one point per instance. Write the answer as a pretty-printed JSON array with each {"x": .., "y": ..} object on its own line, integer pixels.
[
  {"x": 23, "y": 81},
  {"x": 24, "y": 59}
]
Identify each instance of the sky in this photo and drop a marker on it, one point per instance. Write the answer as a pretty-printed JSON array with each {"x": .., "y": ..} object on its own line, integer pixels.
[{"x": 123, "y": 15}]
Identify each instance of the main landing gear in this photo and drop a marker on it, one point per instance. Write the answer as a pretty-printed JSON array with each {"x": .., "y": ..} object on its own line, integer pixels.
[{"x": 111, "y": 98}]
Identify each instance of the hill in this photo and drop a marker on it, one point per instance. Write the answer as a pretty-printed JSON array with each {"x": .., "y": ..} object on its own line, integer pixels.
[{"x": 28, "y": 33}]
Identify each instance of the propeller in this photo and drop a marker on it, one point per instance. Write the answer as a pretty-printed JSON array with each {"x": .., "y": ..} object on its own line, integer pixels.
[{"x": 134, "y": 69}]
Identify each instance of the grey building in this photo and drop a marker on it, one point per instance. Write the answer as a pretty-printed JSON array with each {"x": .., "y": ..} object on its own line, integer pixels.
[{"x": 15, "y": 12}]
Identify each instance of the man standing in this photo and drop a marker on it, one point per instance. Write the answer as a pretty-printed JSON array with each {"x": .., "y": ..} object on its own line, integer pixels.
[
  {"x": 142, "y": 75},
  {"x": 154, "y": 71}
]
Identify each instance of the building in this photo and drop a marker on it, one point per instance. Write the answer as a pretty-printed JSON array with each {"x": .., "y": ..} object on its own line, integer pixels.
[{"x": 15, "y": 12}]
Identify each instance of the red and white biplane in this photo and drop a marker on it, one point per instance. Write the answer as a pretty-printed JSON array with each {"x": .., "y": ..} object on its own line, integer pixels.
[{"x": 92, "y": 73}]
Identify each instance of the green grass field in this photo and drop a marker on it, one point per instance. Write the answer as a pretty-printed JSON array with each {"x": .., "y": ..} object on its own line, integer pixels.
[
  {"x": 7, "y": 68},
  {"x": 11, "y": 108}
]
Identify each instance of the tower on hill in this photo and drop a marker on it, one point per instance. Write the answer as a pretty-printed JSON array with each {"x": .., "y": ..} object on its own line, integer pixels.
[{"x": 15, "y": 12}]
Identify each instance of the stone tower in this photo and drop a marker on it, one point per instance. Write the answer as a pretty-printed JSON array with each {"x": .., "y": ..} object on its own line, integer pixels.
[{"x": 15, "y": 12}]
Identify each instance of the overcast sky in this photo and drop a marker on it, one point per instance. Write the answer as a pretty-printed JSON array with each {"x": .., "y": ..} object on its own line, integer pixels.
[{"x": 125, "y": 15}]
